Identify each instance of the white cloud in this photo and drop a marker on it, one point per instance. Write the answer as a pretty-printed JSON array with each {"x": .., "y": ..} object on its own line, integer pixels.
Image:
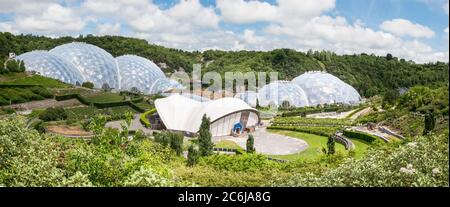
[
  {"x": 54, "y": 19},
  {"x": 403, "y": 27},
  {"x": 109, "y": 29},
  {"x": 445, "y": 7},
  {"x": 242, "y": 12}
]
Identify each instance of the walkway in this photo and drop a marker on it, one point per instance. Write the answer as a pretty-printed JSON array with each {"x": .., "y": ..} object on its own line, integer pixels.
[
  {"x": 135, "y": 125},
  {"x": 269, "y": 143}
]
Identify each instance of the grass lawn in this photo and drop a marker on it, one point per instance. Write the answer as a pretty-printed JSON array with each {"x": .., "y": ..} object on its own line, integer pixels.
[
  {"x": 80, "y": 113},
  {"x": 316, "y": 143},
  {"x": 144, "y": 105},
  {"x": 22, "y": 78},
  {"x": 105, "y": 97},
  {"x": 227, "y": 144}
]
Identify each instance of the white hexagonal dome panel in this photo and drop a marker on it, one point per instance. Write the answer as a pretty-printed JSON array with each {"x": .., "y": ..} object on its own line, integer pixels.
[
  {"x": 52, "y": 66},
  {"x": 95, "y": 64},
  {"x": 324, "y": 88},
  {"x": 278, "y": 92}
]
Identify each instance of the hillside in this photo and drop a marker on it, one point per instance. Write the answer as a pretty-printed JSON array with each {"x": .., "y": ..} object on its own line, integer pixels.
[{"x": 369, "y": 74}]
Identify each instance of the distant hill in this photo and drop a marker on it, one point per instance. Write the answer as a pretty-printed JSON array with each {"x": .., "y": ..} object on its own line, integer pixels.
[{"x": 369, "y": 74}]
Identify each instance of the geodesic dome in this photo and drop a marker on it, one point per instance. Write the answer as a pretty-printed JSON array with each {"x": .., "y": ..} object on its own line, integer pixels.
[
  {"x": 95, "y": 64},
  {"x": 324, "y": 88},
  {"x": 135, "y": 71},
  {"x": 52, "y": 66},
  {"x": 278, "y": 92},
  {"x": 250, "y": 97}
]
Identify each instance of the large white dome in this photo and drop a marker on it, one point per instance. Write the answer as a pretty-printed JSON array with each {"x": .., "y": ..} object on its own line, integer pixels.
[
  {"x": 52, "y": 66},
  {"x": 278, "y": 92},
  {"x": 138, "y": 72},
  {"x": 324, "y": 88},
  {"x": 95, "y": 64}
]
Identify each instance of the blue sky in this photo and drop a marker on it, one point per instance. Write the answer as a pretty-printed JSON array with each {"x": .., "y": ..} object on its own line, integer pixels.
[{"x": 411, "y": 29}]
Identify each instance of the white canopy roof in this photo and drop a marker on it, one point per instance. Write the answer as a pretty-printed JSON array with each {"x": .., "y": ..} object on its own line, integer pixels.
[{"x": 184, "y": 114}]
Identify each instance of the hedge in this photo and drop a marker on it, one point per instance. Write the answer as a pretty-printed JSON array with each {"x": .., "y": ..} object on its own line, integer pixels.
[
  {"x": 359, "y": 135},
  {"x": 19, "y": 85},
  {"x": 84, "y": 101},
  {"x": 144, "y": 119},
  {"x": 321, "y": 131}
]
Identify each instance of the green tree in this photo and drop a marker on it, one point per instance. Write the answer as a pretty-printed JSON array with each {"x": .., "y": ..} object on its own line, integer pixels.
[
  {"x": 331, "y": 145},
  {"x": 88, "y": 85},
  {"x": 430, "y": 122},
  {"x": 192, "y": 156},
  {"x": 204, "y": 138},
  {"x": 250, "y": 144},
  {"x": 176, "y": 143}
]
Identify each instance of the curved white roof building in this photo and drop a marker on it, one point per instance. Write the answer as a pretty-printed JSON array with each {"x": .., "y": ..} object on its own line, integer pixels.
[
  {"x": 324, "y": 88},
  {"x": 52, "y": 66},
  {"x": 80, "y": 62},
  {"x": 179, "y": 113}
]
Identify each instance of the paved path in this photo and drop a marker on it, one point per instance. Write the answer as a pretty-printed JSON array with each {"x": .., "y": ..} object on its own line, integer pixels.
[
  {"x": 269, "y": 143},
  {"x": 135, "y": 125}
]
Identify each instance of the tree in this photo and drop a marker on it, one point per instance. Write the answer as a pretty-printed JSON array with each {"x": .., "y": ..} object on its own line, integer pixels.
[
  {"x": 192, "y": 156},
  {"x": 53, "y": 114},
  {"x": 106, "y": 88},
  {"x": 88, "y": 84},
  {"x": 176, "y": 143},
  {"x": 430, "y": 122},
  {"x": 135, "y": 90},
  {"x": 250, "y": 144},
  {"x": 204, "y": 138},
  {"x": 389, "y": 56},
  {"x": 331, "y": 145}
]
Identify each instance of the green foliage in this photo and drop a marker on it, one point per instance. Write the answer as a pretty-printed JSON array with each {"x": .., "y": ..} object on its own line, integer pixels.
[
  {"x": 423, "y": 162},
  {"x": 303, "y": 111},
  {"x": 21, "y": 95},
  {"x": 53, "y": 114},
  {"x": 360, "y": 135},
  {"x": 171, "y": 139},
  {"x": 147, "y": 178},
  {"x": 192, "y": 156},
  {"x": 143, "y": 118},
  {"x": 424, "y": 100},
  {"x": 204, "y": 138},
  {"x": 317, "y": 130},
  {"x": 331, "y": 146},
  {"x": 87, "y": 85},
  {"x": 299, "y": 121},
  {"x": 245, "y": 162},
  {"x": 26, "y": 158},
  {"x": 430, "y": 123},
  {"x": 250, "y": 148}
]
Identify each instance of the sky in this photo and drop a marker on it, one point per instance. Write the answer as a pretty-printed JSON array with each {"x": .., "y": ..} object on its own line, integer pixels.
[{"x": 412, "y": 29}]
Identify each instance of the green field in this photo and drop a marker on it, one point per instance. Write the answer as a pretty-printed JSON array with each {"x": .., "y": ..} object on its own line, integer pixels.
[
  {"x": 81, "y": 113},
  {"x": 316, "y": 143},
  {"x": 22, "y": 78},
  {"x": 227, "y": 144}
]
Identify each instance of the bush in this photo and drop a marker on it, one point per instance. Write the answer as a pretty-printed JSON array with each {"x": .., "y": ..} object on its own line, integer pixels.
[
  {"x": 53, "y": 114},
  {"x": 88, "y": 85},
  {"x": 245, "y": 162},
  {"x": 192, "y": 157},
  {"x": 172, "y": 140},
  {"x": 143, "y": 118},
  {"x": 8, "y": 110},
  {"x": 360, "y": 135}
]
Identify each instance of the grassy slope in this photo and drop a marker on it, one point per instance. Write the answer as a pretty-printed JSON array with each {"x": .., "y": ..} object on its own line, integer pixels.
[
  {"x": 316, "y": 143},
  {"x": 22, "y": 78}
]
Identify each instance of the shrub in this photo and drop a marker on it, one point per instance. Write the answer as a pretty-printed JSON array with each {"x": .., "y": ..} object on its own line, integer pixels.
[
  {"x": 8, "y": 110},
  {"x": 245, "y": 162},
  {"x": 192, "y": 157},
  {"x": 53, "y": 114},
  {"x": 250, "y": 144},
  {"x": 88, "y": 85},
  {"x": 172, "y": 140},
  {"x": 360, "y": 135},
  {"x": 143, "y": 118}
]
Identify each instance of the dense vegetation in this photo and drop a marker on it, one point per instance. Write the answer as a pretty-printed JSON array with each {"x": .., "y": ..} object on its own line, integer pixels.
[{"x": 369, "y": 74}]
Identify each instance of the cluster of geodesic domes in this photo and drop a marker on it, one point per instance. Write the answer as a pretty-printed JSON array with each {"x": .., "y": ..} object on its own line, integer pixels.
[
  {"x": 309, "y": 89},
  {"x": 78, "y": 62}
]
